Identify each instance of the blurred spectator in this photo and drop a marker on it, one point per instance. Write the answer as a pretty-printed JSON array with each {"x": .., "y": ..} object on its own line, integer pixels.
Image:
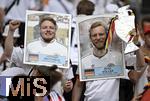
[
  {"x": 15, "y": 36},
  {"x": 59, "y": 6},
  {"x": 84, "y": 8},
  {"x": 146, "y": 51},
  {"x": 16, "y": 10},
  {"x": 100, "y": 85},
  {"x": 11, "y": 53}
]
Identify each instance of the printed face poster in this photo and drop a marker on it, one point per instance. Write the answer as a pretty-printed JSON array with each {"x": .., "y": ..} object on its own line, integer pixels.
[
  {"x": 47, "y": 39},
  {"x": 100, "y": 50}
]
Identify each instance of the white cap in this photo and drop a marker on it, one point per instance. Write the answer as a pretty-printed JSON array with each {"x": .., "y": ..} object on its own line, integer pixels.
[{"x": 16, "y": 33}]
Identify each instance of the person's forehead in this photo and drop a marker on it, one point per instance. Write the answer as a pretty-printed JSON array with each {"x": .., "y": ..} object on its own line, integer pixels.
[
  {"x": 46, "y": 21},
  {"x": 98, "y": 29}
]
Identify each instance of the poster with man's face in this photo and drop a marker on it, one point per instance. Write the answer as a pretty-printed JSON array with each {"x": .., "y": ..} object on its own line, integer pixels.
[
  {"x": 47, "y": 39},
  {"x": 100, "y": 50}
]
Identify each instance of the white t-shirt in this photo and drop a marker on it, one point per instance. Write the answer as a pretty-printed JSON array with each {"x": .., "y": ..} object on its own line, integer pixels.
[
  {"x": 47, "y": 53},
  {"x": 101, "y": 90},
  {"x": 17, "y": 59},
  {"x": 130, "y": 59},
  {"x": 52, "y": 48},
  {"x": 107, "y": 89},
  {"x": 111, "y": 57}
]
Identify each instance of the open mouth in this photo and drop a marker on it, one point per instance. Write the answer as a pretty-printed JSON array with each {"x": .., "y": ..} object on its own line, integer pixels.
[
  {"x": 48, "y": 33},
  {"x": 99, "y": 42}
]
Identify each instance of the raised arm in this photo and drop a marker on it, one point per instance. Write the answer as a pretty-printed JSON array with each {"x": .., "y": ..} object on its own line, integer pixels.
[
  {"x": 13, "y": 25},
  {"x": 77, "y": 90},
  {"x": 134, "y": 75}
]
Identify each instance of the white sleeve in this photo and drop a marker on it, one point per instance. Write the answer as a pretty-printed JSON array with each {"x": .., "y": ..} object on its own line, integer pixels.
[
  {"x": 13, "y": 55},
  {"x": 130, "y": 60},
  {"x": 27, "y": 53},
  {"x": 126, "y": 74},
  {"x": 17, "y": 56},
  {"x": 69, "y": 73},
  {"x": 77, "y": 72}
]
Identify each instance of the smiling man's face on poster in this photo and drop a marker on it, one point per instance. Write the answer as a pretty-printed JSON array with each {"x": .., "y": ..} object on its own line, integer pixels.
[{"x": 101, "y": 54}]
